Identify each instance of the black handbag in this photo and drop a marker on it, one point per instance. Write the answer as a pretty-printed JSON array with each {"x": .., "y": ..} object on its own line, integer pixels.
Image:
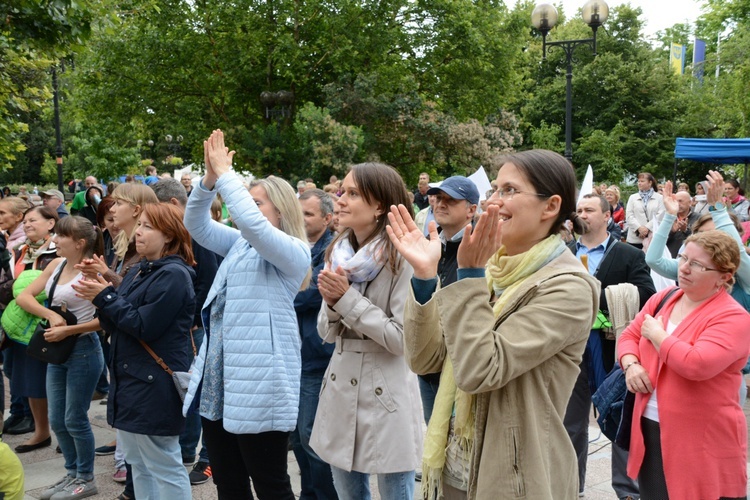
[{"x": 53, "y": 352}]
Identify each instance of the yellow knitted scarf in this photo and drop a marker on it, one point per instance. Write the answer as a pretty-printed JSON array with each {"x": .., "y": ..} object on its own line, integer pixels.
[{"x": 505, "y": 274}]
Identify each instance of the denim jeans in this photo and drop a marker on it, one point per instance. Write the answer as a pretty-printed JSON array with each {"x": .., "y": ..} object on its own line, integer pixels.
[
  {"x": 69, "y": 390},
  {"x": 102, "y": 385},
  {"x": 192, "y": 433},
  {"x": 317, "y": 482},
  {"x": 19, "y": 405},
  {"x": 157, "y": 467},
  {"x": 356, "y": 485},
  {"x": 428, "y": 391}
]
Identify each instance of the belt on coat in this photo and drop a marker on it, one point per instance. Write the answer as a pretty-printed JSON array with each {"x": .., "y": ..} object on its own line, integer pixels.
[{"x": 357, "y": 345}]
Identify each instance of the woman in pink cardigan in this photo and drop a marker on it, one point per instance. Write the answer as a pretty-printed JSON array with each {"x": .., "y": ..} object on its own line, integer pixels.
[{"x": 689, "y": 435}]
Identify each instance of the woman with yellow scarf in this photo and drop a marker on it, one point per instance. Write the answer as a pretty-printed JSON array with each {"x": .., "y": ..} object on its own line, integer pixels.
[{"x": 508, "y": 336}]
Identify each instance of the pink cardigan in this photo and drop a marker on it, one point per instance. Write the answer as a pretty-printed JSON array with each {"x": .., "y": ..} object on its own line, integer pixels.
[{"x": 697, "y": 372}]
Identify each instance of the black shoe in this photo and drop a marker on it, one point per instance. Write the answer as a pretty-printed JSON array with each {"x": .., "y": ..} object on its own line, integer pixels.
[
  {"x": 418, "y": 476},
  {"x": 25, "y": 448},
  {"x": 11, "y": 421},
  {"x": 24, "y": 426},
  {"x": 58, "y": 449},
  {"x": 200, "y": 473}
]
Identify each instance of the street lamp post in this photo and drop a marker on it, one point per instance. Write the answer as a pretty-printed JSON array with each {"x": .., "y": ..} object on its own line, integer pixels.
[
  {"x": 277, "y": 105},
  {"x": 544, "y": 18},
  {"x": 173, "y": 143}
]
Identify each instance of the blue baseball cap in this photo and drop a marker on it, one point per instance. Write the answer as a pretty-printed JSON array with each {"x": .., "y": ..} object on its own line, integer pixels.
[{"x": 458, "y": 187}]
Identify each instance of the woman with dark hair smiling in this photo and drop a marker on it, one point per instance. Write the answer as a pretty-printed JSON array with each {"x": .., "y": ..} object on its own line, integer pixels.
[
  {"x": 369, "y": 418},
  {"x": 70, "y": 385},
  {"x": 509, "y": 336}
]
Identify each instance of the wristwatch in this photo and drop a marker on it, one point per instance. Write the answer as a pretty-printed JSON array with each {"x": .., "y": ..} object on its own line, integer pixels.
[{"x": 718, "y": 206}]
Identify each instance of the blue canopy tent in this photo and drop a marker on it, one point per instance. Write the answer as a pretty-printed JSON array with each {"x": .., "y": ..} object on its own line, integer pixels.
[{"x": 713, "y": 151}]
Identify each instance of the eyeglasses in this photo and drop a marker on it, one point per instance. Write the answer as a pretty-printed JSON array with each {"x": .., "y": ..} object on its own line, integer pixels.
[
  {"x": 508, "y": 192},
  {"x": 694, "y": 265}
]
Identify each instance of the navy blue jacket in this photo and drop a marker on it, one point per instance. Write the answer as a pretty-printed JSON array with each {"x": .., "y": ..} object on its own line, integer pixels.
[
  {"x": 315, "y": 353},
  {"x": 155, "y": 303}
]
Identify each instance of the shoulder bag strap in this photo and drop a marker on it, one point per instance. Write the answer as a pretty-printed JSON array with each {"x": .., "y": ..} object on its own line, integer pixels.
[{"x": 55, "y": 279}]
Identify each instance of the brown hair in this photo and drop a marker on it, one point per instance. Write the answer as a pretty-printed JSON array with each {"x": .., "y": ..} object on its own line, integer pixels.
[
  {"x": 723, "y": 249},
  {"x": 651, "y": 179},
  {"x": 378, "y": 184},
  {"x": 550, "y": 174},
  {"x": 103, "y": 209},
  {"x": 80, "y": 228},
  {"x": 707, "y": 217},
  {"x": 167, "y": 219}
]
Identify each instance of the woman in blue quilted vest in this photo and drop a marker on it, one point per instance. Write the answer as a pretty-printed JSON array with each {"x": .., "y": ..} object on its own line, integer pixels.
[{"x": 246, "y": 378}]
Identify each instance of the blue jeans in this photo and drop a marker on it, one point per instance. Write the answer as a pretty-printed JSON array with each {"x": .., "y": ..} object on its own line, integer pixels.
[
  {"x": 157, "y": 467},
  {"x": 19, "y": 405},
  {"x": 69, "y": 390},
  {"x": 428, "y": 391},
  {"x": 192, "y": 433},
  {"x": 103, "y": 384},
  {"x": 317, "y": 482},
  {"x": 356, "y": 485}
]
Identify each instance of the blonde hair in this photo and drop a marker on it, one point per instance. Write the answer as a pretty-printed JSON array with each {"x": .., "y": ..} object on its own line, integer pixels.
[
  {"x": 284, "y": 199},
  {"x": 723, "y": 249},
  {"x": 137, "y": 195},
  {"x": 615, "y": 190}
]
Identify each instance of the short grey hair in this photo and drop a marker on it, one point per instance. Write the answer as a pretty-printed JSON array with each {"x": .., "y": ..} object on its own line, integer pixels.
[
  {"x": 168, "y": 188},
  {"x": 326, "y": 203}
]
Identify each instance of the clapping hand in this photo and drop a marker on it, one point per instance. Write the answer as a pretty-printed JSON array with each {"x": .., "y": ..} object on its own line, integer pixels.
[
  {"x": 332, "y": 285},
  {"x": 93, "y": 266},
  {"x": 217, "y": 158},
  {"x": 481, "y": 243},
  {"x": 421, "y": 253},
  {"x": 89, "y": 288}
]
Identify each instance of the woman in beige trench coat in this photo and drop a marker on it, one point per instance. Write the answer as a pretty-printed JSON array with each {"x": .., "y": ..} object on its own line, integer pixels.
[{"x": 368, "y": 418}]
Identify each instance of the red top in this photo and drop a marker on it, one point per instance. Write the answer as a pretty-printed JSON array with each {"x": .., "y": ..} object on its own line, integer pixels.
[{"x": 697, "y": 372}]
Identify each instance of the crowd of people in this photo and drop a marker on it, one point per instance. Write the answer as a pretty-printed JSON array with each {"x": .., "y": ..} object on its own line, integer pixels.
[{"x": 338, "y": 322}]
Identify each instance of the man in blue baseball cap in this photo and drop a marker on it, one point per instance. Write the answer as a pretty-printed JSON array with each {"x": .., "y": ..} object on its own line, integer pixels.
[{"x": 455, "y": 205}]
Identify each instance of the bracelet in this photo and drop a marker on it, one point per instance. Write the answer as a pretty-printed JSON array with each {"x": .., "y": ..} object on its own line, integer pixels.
[{"x": 636, "y": 362}]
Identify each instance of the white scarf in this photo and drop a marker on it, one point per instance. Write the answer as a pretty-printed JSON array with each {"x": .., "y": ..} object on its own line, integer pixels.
[{"x": 361, "y": 267}]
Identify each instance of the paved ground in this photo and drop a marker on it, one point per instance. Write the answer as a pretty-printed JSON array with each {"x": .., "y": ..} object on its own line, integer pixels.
[{"x": 44, "y": 467}]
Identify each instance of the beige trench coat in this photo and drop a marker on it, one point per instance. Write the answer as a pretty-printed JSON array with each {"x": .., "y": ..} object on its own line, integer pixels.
[
  {"x": 369, "y": 417},
  {"x": 522, "y": 366}
]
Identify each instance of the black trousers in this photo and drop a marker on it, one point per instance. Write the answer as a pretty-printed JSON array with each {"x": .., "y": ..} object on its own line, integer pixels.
[{"x": 238, "y": 458}]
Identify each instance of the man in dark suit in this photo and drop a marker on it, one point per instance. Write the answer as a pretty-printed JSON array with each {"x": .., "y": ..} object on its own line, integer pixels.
[{"x": 612, "y": 263}]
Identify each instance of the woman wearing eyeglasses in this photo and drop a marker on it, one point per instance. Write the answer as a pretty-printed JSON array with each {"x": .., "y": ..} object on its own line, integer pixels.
[
  {"x": 689, "y": 433},
  {"x": 719, "y": 219},
  {"x": 508, "y": 336}
]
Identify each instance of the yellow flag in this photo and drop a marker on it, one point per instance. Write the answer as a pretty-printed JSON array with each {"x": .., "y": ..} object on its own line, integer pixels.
[{"x": 677, "y": 58}]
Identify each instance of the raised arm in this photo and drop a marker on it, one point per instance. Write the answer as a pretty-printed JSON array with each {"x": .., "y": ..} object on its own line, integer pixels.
[{"x": 665, "y": 266}]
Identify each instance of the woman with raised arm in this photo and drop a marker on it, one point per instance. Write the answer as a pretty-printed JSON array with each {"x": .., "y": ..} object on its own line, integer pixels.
[
  {"x": 689, "y": 433},
  {"x": 369, "y": 418},
  {"x": 719, "y": 219},
  {"x": 246, "y": 378},
  {"x": 509, "y": 336}
]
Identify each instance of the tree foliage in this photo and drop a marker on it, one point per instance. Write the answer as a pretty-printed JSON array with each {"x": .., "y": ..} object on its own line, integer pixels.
[{"x": 438, "y": 85}]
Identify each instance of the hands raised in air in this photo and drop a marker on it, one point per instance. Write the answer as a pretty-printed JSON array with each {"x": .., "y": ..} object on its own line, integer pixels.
[{"x": 217, "y": 158}]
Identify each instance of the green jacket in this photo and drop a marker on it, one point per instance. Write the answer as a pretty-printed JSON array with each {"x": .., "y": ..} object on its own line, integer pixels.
[{"x": 17, "y": 323}]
